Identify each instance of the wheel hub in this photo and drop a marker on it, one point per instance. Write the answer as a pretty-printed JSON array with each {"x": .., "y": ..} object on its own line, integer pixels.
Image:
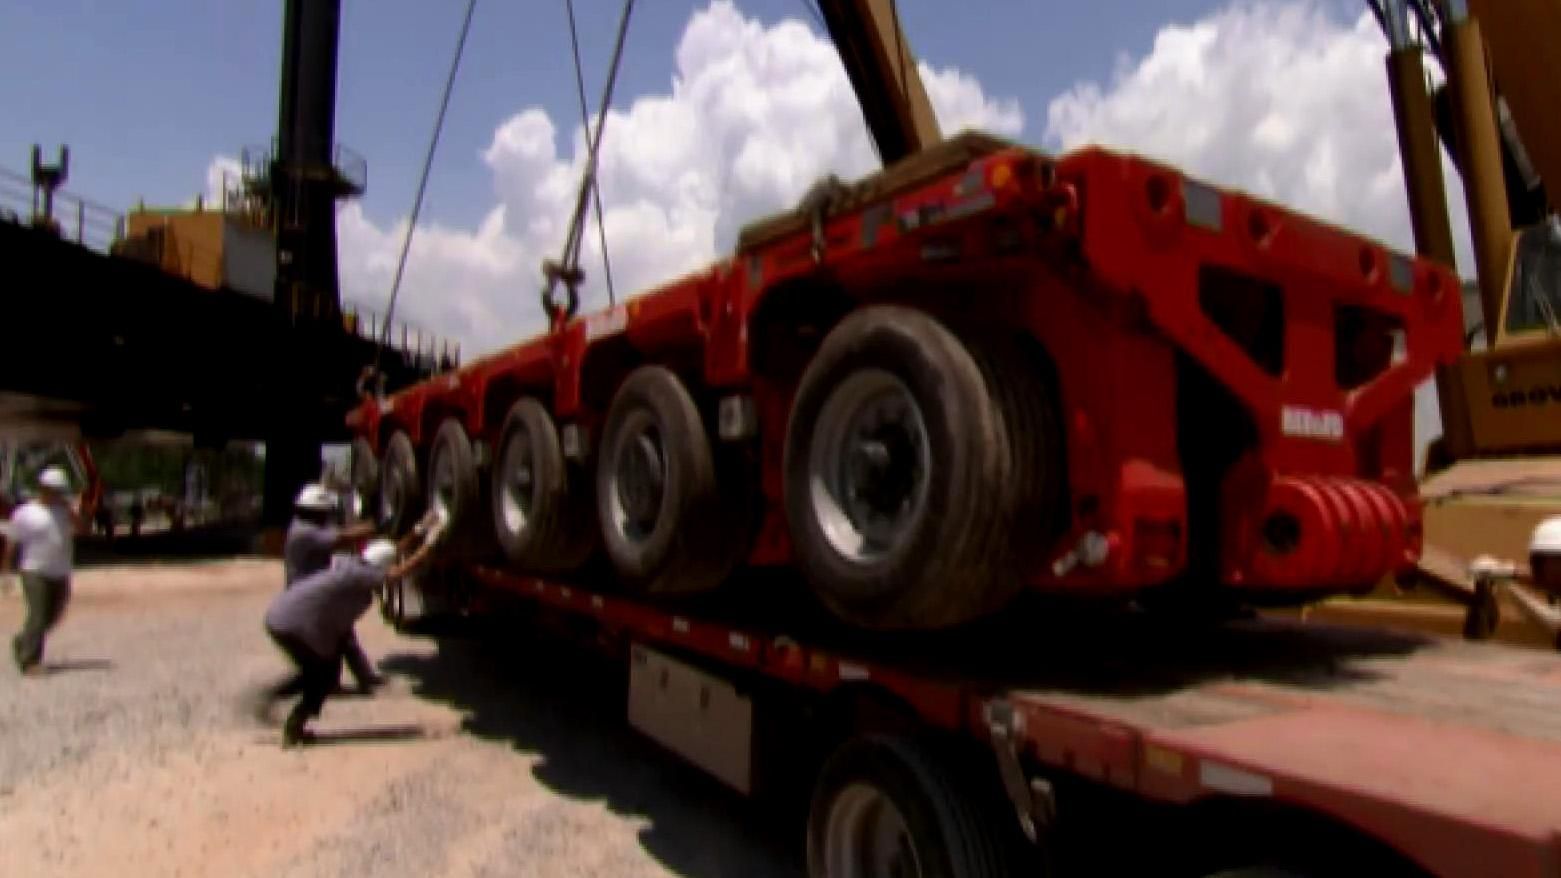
[
  {"x": 880, "y": 474},
  {"x": 869, "y": 465},
  {"x": 866, "y": 836},
  {"x": 519, "y": 483},
  {"x": 641, "y": 475}
]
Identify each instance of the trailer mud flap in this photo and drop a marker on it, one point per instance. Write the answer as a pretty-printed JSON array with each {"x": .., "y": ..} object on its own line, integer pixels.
[
  {"x": 1032, "y": 799},
  {"x": 695, "y": 714}
]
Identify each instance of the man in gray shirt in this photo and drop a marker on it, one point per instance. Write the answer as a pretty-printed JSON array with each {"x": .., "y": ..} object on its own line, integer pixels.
[
  {"x": 312, "y": 539},
  {"x": 308, "y": 620}
]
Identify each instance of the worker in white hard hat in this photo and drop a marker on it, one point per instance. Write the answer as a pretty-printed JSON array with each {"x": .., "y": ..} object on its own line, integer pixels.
[
  {"x": 1538, "y": 601},
  {"x": 315, "y": 534},
  {"x": 42, "y": 532},
  {"x": 308, "y": 620},
  {"x": 313, "y": 537}
]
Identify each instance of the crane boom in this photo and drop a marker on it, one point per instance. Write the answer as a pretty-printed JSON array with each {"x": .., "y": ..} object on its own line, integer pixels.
[
  {"x": 883, "y": 74},
  {"x": 1520, "y": 37}
]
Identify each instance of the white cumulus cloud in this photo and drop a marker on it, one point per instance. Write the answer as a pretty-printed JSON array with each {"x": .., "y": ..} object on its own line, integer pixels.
[
  {"x": 753, "y": 116},
  {"x": 1276, "y": 97}
]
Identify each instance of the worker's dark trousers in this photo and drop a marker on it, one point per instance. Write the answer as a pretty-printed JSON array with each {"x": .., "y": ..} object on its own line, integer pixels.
[
  {"x": 46, "y": 598},
  {"x": 316, "y": 678},
  {"x": 351, "y": 653},
  {"x": 357, "y": 661}
]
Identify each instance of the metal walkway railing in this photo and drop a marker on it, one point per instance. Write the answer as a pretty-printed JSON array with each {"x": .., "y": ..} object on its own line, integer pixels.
[
  {"x": 420, "y": 349},
  {"x": 87, "y": 223},
  {"x": 100, "y": 228}
]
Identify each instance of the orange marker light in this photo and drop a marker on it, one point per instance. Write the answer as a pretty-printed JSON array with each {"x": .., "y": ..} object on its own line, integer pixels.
[{"x": 1002, "y": 176}]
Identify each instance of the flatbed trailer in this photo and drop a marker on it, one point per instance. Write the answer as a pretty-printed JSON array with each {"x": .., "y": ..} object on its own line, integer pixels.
[{"x": 1104, "y": 744}]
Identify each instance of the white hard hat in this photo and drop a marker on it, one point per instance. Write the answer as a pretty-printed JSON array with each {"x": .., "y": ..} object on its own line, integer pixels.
[
  {"x": 380, "y": 553},
  {"x": 1489, "y": 565},
  {"x": 54, "y": 479},
  {"x": 315, "y": 497},
  {"x": 1547, "y": 537}
]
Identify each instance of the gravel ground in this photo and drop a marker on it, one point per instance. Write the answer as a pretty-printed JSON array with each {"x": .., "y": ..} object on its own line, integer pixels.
[{"x": 135, "y": 755}]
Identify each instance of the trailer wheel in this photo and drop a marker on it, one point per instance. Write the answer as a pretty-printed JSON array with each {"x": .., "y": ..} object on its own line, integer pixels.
[
  {"x": 908, "y": 466},
  {"x": 400, "y": 488},
  {"x": 365, "y": 479},
  {"x": 454, "y": 489},
  {"x": 889, "y": 806},
  {"x": 666, "y": 524},
  {"x": 542, "y": 514}
]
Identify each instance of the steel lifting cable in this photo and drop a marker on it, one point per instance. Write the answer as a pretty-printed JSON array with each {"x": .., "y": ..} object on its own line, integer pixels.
[
  {"x": 585, "y": 123},
  {"x": 422, "y": 183},
  {"x": 567, "y": 268}
]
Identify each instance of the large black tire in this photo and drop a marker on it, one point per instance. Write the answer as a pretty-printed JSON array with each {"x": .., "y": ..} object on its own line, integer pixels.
[
  {"x": 400, "y": 486},
  {"x": 968, "y": 447},
  {"x": 666, "y": 524},
  {"x": 365, "y": 480},
  {"x": 544, "y": 514},
  {"x": 1033, "y": 424},
  {"x": 949, "y": 821},
  {"x": 455, "y": 488}
]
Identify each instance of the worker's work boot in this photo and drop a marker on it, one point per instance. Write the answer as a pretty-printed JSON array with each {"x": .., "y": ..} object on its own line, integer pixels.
[{"x": 295, "y": 732}]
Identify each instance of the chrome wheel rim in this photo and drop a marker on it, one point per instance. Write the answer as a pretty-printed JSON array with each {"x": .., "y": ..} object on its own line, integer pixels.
[
  {"x": 517, "y": 483},
  {"x": 390, "y": 497},
  {"x": 390, "y": 602},
  {"x": 868, "y": 466},
  {"x": 442, "y": 485},
  {"x": 866, "y": 836},
  {"x": 637, "y": 480}
]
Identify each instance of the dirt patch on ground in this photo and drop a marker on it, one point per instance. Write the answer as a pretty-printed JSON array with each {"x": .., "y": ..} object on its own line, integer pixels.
[{"x": 136, "y": 755}]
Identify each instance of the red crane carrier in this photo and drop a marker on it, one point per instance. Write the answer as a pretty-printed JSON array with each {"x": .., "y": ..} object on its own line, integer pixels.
[{"x": 957, "y": 397}]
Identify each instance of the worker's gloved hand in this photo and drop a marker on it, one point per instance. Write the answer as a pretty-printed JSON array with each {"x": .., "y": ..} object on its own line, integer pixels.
[
  {"x": 1487, "y": 567},
  {"x": 433, "y": 520}
]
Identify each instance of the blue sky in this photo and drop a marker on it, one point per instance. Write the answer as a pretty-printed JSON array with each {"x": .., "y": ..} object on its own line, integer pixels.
[{"x": 147, "y": 93}]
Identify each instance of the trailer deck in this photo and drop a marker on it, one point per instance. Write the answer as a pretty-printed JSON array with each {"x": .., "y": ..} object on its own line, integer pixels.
[{"x": 1448, "y": 752}]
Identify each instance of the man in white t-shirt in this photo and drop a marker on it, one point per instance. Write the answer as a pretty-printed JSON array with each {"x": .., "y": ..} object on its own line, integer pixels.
[{"x": 42, "y": 532}]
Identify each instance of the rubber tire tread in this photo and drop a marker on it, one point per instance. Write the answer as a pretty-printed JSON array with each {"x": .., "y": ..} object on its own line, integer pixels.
[
  {"x": 956, "y": 825},
  {"x": 464, "y": 538},
  {"x": 1037, "y": 491},
  {"x": 400, "y": 464},
  {"x": 696, "y": 545},
  {"x": 560, "y": 533},
  {"x": 969, "y": 510}
]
